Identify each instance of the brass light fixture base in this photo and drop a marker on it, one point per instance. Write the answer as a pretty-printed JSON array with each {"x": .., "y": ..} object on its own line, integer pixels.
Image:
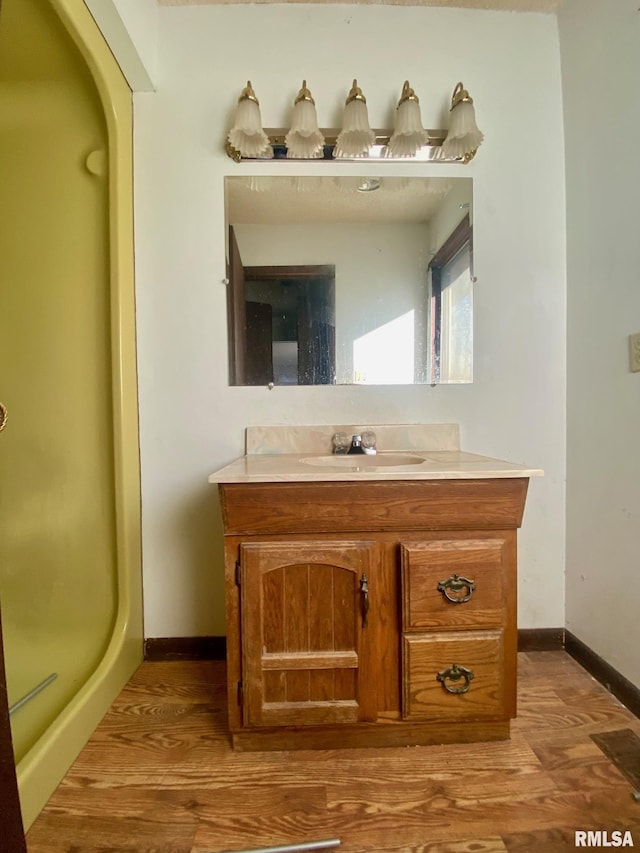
[{"x": 428, "y": 152}]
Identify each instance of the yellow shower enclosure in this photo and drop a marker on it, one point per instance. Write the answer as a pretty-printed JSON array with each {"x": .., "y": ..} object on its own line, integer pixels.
[{"x": 70, "y": 583}]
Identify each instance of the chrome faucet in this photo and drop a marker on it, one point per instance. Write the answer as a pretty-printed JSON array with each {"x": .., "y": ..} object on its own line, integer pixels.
[
  {"x": 360, "y": 443},
  {"x": 365, "y": 443},
  {"x": 356, "y": 445}
]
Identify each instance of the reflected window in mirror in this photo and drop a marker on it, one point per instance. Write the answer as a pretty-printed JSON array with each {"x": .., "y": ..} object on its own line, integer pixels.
[
  {"x": 330, "y": 282},
  {"x": 451, "y": 285}
]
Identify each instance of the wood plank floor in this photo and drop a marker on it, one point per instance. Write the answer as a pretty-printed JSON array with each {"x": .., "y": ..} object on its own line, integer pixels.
[{"x": 159, "y": 776}]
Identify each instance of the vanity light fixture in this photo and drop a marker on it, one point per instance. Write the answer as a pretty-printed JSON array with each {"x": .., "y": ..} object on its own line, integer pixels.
[
  {"x": 356, "y": 137},
  {"x": 247, "y": 136},
  {"x": 464, "y": 136},
  {"x": 408, "y": 135},
  {"x": 304, "y": 140}
]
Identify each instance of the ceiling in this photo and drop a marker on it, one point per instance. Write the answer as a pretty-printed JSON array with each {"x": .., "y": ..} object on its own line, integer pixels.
[
  {"x": 284, "y": 200},
  {"x": 547, "y": 6}
]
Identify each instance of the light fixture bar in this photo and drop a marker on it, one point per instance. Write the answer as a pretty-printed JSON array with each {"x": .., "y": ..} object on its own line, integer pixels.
[{"x": 276, "y": 137}]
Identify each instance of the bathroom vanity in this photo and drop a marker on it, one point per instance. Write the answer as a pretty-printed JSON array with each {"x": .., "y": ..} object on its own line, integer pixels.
[{"x": 370, "y": 601}]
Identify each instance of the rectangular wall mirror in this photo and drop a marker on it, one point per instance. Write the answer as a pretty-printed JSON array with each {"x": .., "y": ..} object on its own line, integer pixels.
[{"x": 349, "y": 280}]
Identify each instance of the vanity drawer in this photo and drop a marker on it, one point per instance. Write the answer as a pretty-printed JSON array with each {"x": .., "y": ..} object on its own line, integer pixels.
[
  {"x": 453, "y": 677},
  {"x": 456, "y": 584}
]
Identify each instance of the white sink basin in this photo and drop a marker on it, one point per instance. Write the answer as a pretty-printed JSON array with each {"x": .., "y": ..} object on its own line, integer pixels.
[{"x": 362, "y": 461}]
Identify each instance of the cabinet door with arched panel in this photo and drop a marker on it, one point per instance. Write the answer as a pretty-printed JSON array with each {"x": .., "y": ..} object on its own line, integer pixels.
[{"x": 306, "y": 659}]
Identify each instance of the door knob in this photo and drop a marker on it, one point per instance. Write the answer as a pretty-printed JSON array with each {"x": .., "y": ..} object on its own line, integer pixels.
[{"x": 4, "y": 414}]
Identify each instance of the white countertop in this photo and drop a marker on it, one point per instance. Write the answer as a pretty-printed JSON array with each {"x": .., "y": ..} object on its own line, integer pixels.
[{"x": 320, "y": 467}]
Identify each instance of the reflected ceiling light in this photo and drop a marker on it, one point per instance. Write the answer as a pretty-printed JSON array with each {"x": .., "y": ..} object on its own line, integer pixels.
[
  {"x": 369, "y": 185},
  {"x": 304, "y": 140},
  {"x": 408, "y": 134},
  {"x": 464, "y": 136},
  {"x": 356, "y": 137},
  {"x": 247, "y": 136}
]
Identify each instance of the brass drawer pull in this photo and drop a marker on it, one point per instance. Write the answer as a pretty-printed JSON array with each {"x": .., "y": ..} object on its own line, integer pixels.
[
  {"x": 364, "y": 592},
  {"x": 456, "y": 584},
  {"x": 455, "y": 673}
]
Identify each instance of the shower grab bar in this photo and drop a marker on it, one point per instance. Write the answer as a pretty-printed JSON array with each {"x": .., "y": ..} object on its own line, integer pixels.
[
  {"x": 32, "y": 693},
  {"x": 294, "y": 848}
]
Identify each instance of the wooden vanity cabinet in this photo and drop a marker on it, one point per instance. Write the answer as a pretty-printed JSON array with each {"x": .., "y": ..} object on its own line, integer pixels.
[{"x": 370, "y": 614}]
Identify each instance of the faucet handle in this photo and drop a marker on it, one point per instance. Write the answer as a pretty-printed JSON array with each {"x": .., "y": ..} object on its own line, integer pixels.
[
  {"x": 368, "y": 441},
  {"x": 340, "y": 443}
]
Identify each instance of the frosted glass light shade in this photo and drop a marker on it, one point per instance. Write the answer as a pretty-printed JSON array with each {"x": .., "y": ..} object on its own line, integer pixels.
[
  {"x": 408, "y": 133},
  {"x": 247, "y": 135},
  {"x": 304, "y": 140},
  {"x": 356, "y": 137},
  {"x": 464, "y": 136}
]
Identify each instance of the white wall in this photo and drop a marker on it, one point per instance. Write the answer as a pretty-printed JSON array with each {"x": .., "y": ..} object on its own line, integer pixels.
[
  {"x": 454, "y": 208},
  {"x": 191, "y": 421},
  {"x": 600, "y": 49},
  {"x": 140, "y": 17},
  {"x": 130, "y": 27}
]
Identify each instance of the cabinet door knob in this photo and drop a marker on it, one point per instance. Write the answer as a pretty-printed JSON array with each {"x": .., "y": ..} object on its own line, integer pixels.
[
  {"x": 364, "y": 593},
  {"x": 462, "y": 589},
  {"x": 455, "y": 673}
]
